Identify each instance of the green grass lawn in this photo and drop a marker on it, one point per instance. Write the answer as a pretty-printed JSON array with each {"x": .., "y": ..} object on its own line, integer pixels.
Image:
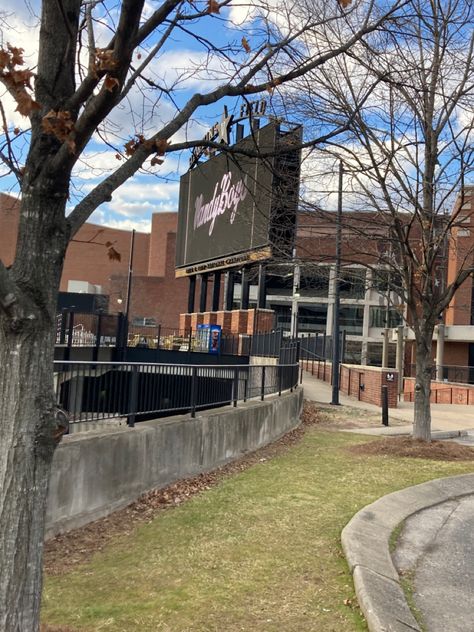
[{"x": 259, "y": 552}]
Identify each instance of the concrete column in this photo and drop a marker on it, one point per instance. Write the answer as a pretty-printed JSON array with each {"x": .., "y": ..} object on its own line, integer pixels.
[
  {"x": 364, "y": 352},
  {"x": 330, "y": 315},
  {"x": 245, "y": 291},
  {"x": 386, "y": 334},
  {"x": 216, "y": 291},
  {"x": 440, "y": 353},
  {"x": 262, "y": 289},
  {"x": 203, "y": 297},
  {"x": 229, "y": 290},
  {"x": 400, "y": 354},
  {"x": 191, "y": 294}
]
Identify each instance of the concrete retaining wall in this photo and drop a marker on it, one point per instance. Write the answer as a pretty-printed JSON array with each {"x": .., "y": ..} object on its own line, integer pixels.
[{"x": 95, "y": 474}]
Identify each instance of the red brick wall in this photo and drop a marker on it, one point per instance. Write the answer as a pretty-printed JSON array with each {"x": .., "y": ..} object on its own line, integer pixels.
[
  {"x": 161, "y": 225},
  {"x": 90, "y": 261},
  {"x": 163, "y": 298},
  {"x": 460, "y": 253},
  {"x": 353, "y": 377},
  {"x": 442, "y": 392},
  {"x": 237, "y": 321}
]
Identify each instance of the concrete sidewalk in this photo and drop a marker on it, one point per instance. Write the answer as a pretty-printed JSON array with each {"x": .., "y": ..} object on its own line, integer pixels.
[
  {"x": 366, "y": 544},
  {"x": 444, "y": 417}
]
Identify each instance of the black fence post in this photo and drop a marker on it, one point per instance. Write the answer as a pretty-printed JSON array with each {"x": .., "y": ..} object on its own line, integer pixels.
[
  {"x": 280, "y": 378},
  {"x": 190, "y": 339},
  {"x": 69, "y": 336},
  {"x": 236, "y": 387},
  {"x": 385, "y": 405},
  {"x": 98, "y": 334},
  {"x": 132, "y": 406},
  {"x": 62, "y": 331},
  {"x": 193, "y": 391},
  {"x": 262, "y": 387},
  {"x": 122, "y": 335}
]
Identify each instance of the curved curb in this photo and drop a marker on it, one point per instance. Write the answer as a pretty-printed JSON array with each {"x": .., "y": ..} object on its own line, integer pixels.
[{"x": 365, "y": 541}]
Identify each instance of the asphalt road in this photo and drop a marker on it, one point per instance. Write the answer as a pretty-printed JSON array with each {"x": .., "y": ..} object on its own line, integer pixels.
[{"x": 437, "y": 548}]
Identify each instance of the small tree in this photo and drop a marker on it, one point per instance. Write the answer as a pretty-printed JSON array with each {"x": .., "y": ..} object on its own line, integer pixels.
[
  {"x": 93, "y": 56},
  {"x": 408, "y": 154}
]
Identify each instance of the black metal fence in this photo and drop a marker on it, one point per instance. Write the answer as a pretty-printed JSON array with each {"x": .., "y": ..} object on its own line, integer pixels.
[
  {"x": 319, "y": 347},
  {"x": 94, "y": 391},
  {"x": 448, "y": 373},
  {"x": 75, "y": 329}
]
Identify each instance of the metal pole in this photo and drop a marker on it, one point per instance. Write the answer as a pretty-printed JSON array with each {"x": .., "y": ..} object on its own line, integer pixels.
[
  {"x": 336, "y": 328},
  {"x": 129, "y": 288},
  {"x": 385, "y": 405},
  {"x": 294, "y": 297},
  {"x": 400, "y": 356}
]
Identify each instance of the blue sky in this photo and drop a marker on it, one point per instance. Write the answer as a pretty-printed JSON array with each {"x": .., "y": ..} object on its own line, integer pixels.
[{"x": 183, "y": 60}]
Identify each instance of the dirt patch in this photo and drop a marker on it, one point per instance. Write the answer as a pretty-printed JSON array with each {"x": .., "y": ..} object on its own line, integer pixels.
[
  {"x": 348, "y": 417},
  {"x": 63, "y": 552},
  {"x": 415, "y": 448}
]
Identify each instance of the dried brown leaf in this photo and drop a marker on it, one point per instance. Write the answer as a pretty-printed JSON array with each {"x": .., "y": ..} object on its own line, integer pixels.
[
  {"x": 16, "y": 55},
  {"x": 213, "y": 6},
  {"x": 113, "y": 254},
  {"x": 161, "y": 146},
  {"x": 25, "y": 103},
  {"x": 130, "y": 147},
  {"x": 111, "y": 83},
  {"x": 60, "y": 124},
  {"x": 246, "y": 45}
]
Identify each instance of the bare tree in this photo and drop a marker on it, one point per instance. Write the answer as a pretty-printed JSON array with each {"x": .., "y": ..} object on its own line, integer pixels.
[
  {"x": 408, "y": 154},
  {"x": 92, "y": 57}
]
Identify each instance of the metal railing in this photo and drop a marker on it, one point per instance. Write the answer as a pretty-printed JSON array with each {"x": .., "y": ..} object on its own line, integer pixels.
[
  {"x": 76, "y": 329},
  {"x": 95, "y": 391},
  {"x": 448, "y": 373}
]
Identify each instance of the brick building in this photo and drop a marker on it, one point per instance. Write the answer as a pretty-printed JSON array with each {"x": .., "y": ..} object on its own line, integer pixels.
[
  {"x": 366, "y": 307},
  {"x": 156, "y": 295}
]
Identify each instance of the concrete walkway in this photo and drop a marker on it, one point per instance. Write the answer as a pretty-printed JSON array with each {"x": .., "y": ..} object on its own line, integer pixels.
[
  {"x": 366, "y": 544},
  {"x": 444, "y": 417}
]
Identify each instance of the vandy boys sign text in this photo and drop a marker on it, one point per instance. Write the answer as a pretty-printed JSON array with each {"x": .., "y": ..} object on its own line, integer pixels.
[{"x": 225, "y": 206}]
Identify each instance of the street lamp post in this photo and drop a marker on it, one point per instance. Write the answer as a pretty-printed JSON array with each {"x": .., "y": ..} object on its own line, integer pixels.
[
  {"x": 294, "y": 300},
  {"x": 336, "y": 328}
]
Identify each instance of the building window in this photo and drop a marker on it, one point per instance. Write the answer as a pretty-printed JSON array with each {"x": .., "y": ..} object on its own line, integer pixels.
[
  {"x": 352, "y": 283},
  {"x": 385, "y": 280},
  {"x": 315, "y": 282},
  {"x": 378, "y": 317},
  {"x": 351, "y": 320},
  {"x": 142, "y": 321},
  {"x": 312, "y": 318},
  {"x": 353, "y": 352},
  {"x": 282, "y": 316}
]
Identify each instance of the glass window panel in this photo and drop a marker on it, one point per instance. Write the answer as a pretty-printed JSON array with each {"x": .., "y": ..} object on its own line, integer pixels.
[
  {"x": 352, "y": 283},
  {"x": 351, "y": 320}
]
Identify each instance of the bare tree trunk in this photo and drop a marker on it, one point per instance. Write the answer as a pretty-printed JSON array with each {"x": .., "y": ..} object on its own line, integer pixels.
[
  {"x": 422, "y": 412},
  {"x": 27, "y": 421}
]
